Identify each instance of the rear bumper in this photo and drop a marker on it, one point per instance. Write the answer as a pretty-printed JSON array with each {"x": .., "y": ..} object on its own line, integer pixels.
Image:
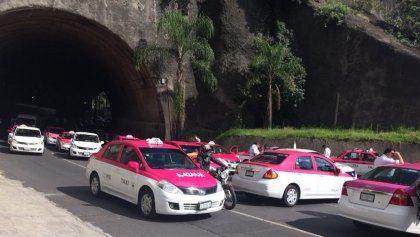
[{"x": 267, "y": 188}]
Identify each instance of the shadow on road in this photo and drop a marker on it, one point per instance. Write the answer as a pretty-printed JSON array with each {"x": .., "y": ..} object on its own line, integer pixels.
[
  {"x": 121, "y": 207},
  {"x": 255, "y": 200}
]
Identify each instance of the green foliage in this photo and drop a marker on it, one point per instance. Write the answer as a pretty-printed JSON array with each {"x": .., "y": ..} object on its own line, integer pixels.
[
  {"x": 332, "y": 11},
  {"x": 398, "y": 135},
  {"x": 365, "y": 5},
  {"x": 405, "y": 22}
]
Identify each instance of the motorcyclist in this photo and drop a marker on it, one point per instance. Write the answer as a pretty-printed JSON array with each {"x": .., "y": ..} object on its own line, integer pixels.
[{"x": 205, "y": 157}]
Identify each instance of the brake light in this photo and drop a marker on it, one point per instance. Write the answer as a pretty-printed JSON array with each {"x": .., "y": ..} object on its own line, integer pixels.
[
  {"x": 270, "y": 174},
  {"x": 401, "y": 198},
  {"x": 344, "y": 190}
]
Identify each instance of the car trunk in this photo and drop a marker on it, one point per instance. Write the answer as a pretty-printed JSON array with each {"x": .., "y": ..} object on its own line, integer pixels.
[{"x": 252, "y": 170}]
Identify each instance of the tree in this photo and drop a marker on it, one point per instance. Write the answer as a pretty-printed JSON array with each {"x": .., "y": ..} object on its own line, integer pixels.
[
  {"x": 187, "y": 43},
  {"x": 275, "y": 64}
]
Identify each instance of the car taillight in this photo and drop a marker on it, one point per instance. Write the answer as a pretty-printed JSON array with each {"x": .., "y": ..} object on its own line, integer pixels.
[
  {"x": 401, "y": 198},
  {"x": 270, "y": 174},
  {"x": 344, "y": 190}
]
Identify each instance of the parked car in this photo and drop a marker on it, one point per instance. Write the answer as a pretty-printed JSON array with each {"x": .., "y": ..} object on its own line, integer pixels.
[
  {"x": 64, "y": 141},
  {"x": 385, "y": 197},
  {"x": 158, "y": 177},
  {"x": 291, "y": 176},
  {"x": 26, "y": 139},
  {"x": 51, "y": 134},
  {"x": 83, "y": 144},
  {"x": 359, "y": 159}
]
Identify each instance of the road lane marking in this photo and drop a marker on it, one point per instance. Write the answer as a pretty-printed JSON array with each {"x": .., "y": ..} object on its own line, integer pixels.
[
  {"x": 276, "y": 223},
  {"x": 74, "y": 163}
]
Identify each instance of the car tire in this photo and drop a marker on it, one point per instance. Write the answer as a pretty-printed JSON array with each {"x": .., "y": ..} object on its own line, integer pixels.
[
  {"x": 362, "y": 226},
  {"x": 291, "y": 195},
  {"x": 95, "y": 185},
  {"x": 146, "y": 204}
]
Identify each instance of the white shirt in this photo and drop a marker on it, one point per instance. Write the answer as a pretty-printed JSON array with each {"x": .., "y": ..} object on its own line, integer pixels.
[
  {"x": 327, "y": 152},
  {"x": 253, "y": 150},
  {"x": 384, "y": 160}
]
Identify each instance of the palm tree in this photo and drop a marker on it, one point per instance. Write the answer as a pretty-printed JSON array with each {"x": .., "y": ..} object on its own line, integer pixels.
[
  {"x": 187, "y": 42},
  {"x": 274, "y": 63}
]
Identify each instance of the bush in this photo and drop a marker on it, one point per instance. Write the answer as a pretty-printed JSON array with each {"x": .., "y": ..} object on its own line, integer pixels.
[{"x": 332, "y": 11}]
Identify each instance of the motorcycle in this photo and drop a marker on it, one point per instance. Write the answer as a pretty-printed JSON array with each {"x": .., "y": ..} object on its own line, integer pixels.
[{"x": 222, "y": 175}]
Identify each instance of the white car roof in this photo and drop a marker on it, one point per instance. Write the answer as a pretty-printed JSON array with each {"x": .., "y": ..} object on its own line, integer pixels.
[
  {"x": 85, "y": 133},
  {"x": 27, "y": 127}
]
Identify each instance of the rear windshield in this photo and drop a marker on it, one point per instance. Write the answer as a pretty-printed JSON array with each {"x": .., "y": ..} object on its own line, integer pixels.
[
  {"x": 162, "y": 158},
  {"x": 67, "y": 135},
  {"x": 393, "y": 175},
  {"x": 27, "y": 132},
  {"x": 270, "y": 158},
  {"x": 189, "y": 149}
]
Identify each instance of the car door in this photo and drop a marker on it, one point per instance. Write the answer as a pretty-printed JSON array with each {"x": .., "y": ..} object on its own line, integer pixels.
[
  {"x": 128, "y": 177},
  {"x": 352, "y": 159},
  {"x": 305, "y": 176},
  {"x": 110, "y": 165},
  {"x": 366, "y": 163},
  {"x": 329, "y": 184}
]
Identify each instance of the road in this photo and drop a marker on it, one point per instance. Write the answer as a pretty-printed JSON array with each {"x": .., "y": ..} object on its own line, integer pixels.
[{"x": 63, "y": 181}]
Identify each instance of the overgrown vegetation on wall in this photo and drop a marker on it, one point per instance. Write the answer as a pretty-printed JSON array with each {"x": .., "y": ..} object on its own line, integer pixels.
[{"x": 332, "y": 12}]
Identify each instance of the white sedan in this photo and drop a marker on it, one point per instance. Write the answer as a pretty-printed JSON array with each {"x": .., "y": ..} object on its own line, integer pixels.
[
  {"x": 385, "y": 197},
  {"x": 26, "y": 139},
  {"x": 83, "y": 144}
]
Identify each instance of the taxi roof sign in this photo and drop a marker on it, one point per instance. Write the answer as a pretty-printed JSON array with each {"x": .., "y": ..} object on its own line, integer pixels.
[{"x": 154, "y": 140}]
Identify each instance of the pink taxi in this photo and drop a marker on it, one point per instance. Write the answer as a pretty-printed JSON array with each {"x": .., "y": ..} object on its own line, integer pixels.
[
  {"x": 126, "y": 137},
  {"x": 385, "y": 197},
  {"x": 64, "y": 141},
  {"x": 290, "y": 175},
  {"x": 159, "y": 178},
  {"x": 51, "y": 134},
  {"x": 360, "y": 160}
]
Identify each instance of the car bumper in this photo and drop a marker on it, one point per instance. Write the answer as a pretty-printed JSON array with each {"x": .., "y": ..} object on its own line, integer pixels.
[
  {"x": 64, "y": 146},
  {"x": 75, "y": 152},
  {"x": 51, "y": 140},
  {"x": 27, "y": 148},
  {"x": 267, "y": 188},
  {"x": 172, "y": 204},
  {"x": 401, "y": 218}
]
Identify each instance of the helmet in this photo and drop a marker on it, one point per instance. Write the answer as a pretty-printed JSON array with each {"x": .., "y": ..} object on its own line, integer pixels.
[{"x": 205, "y": 147}]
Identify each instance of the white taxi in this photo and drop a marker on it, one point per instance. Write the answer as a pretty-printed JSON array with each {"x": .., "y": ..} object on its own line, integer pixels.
[
  {"x": 26, "y": 139},
  {"x": 159, "y": 178},
  {"x": 83, "y": 144}
]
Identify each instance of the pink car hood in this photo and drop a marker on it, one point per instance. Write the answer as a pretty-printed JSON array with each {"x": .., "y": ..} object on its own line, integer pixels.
[
  {"x": 229, "y": 157},
  {"x": 187, "y": 178}
]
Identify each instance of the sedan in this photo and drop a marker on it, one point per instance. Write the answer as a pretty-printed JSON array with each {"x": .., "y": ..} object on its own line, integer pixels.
[
  {"x": 359, "y": 159},
  {"x": 385, "y": 197},
  {"x": 290, "y": 176}
]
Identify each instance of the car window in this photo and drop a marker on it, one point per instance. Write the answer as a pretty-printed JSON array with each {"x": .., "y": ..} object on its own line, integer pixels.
[
  {"x": 393, "y": 175},
  {"x": 351, "y": 156},
  {"x": 270, "y": 158},
  {"x": 66, "y": 135},
  {"x": 219, "y": 150},
  {"x": 129, "y": 154},
  {"x": 323, "y": 165},
  {"x": 304, "y": 163},
  {"x": 112, "y": 151},
  {"x": 86, "y": 138},
  {"x": 164, "y": 158},
  {"x": 27, "y": 132},
  {"x": 368, "y": 157},
  {"x": 189, "y": 149}
]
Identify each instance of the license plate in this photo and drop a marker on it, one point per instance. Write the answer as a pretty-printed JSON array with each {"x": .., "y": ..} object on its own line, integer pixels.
[
  {"x": 204, "y": 205},
  {"x": 368, "y": 197},
  {"x": 86, "y": 153},
  {"x": 249, "y": 173}
]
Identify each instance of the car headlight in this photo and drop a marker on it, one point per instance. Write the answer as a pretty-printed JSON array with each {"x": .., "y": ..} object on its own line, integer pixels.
[
  {"x": 73, "y": 145},
  {"x": 41, "y": 142},
  {"x": 219, "y": 187},
  {"x": 168, "y": 187}
]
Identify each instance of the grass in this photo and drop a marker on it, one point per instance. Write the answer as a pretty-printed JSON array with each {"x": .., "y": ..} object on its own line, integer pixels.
[{"x": 406, "y": 135}]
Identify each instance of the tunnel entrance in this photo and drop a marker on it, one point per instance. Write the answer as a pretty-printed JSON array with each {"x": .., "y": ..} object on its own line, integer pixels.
[{"x": 55, "y": 59}]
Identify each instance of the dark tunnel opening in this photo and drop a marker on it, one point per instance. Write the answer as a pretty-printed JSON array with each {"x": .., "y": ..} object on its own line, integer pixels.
[{"x": 59, "y": 60}]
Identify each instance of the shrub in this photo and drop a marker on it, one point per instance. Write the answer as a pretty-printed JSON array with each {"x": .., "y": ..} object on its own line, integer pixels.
[{"x": 332, "y": 11}]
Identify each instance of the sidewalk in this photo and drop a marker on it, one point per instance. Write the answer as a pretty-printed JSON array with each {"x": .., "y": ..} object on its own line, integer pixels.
[{"x": 25, "y": 212}]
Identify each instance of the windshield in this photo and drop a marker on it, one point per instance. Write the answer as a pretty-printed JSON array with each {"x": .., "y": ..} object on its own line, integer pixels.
[
  {"x": 162, "y": 158},
  {"x": 67, "y": 135},
  {"x": 56, "y": 130},
  {"x": 86, "y": 138},
  {"x": 393, "y": 175},
  {"x": 270, "y": 158},
  {"x": 190, "y": 149},
  {"x": 27, "y": 132},
  {"x": 219, "y": 150}
]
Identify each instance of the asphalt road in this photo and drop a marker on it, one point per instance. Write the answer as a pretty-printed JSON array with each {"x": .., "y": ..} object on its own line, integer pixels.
[{"x": 63, "y": 181}]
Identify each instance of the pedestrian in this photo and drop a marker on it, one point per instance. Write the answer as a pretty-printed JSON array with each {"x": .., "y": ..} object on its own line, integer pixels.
[
  {"x": 388, "y": 158},
  {"x": 254, "y": 150},
  {"x": 327, "y": 151}
]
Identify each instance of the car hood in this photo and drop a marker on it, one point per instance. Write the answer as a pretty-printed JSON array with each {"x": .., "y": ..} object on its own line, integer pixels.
[
  {"x": 87, "y": 144},
  {"x": 53, "y": 135},
  {"x": 228, "y": 157},
  {"x": 65, "y": 140},
  {"x": 187, "y": 178},
  {"x": 343, "y": 167},
  {"x": 28, "y": 139}
]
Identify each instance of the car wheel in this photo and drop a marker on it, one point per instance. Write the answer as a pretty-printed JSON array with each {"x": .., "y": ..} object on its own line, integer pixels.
[
  {"x": 291, "y": 196},
  {"x": 146, "y": 204},
  {"x": 95, "y": 185},
  {"x": 362, "y": 226}
]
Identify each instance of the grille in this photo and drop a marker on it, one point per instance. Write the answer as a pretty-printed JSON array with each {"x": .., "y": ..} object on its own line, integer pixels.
[
  {"x": 85, "y": 148},
  {"x": 26, "y": 143},
  {"x": 199, "y": 191}
]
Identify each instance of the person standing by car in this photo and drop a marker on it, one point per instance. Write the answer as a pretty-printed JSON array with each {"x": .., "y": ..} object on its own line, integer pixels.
[
  {"x": 327, "y": 151},
  {"x": 253, "y": 150},
  {"x": 388, "y": 158}
]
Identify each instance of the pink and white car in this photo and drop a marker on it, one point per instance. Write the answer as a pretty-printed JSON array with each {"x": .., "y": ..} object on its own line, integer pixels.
[
  {"x": 230, "y": 157},
  {"x": 64, "y": 141},
  {"x": 290, "y": 175},
  {"x": 360, "y": 160},
  {"x": 385, "y": 197},
  {"x": 158, "y": 177},
  {"x": 51, "y": 134}
]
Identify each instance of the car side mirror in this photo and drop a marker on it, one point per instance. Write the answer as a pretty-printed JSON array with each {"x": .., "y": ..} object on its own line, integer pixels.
[
  {"x": 102, "y": 142},
  {"x": 134, "y": 165},
  {"x": 337, "y": 171}
]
